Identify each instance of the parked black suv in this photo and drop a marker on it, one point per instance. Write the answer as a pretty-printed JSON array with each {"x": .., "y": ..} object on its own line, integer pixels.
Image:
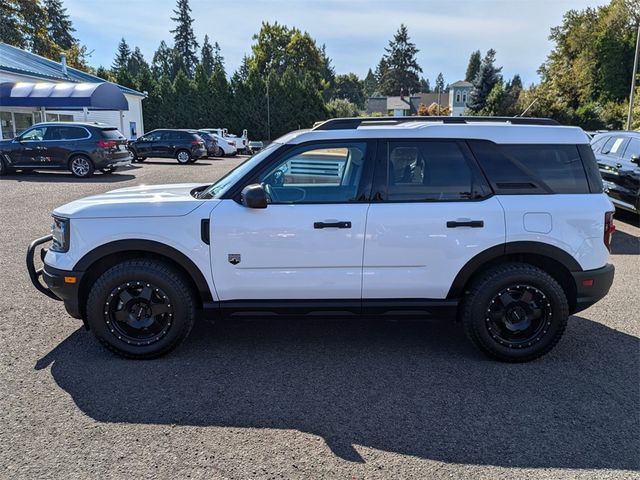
[
  {"x": 184, "y": 145},
  {"x": 618, "y": 156},
  {"x": 79, "y": 147}
]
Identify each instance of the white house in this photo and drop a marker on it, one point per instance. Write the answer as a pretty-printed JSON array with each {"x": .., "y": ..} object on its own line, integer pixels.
[{"x": 35, "y": 89}]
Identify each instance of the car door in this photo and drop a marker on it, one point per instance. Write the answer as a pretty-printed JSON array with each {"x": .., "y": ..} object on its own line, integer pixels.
[
  {"x": 32, "y": 147},
  {"x": 61, "y": 142},
  {"x": 434, "y": 213},
  {"x": 144, "y": 144},
  {"x": 307, "y": 244},
  {"x": 166, "y": 146},
  {"x": 629, "y": 174},
  {"x": 610, "y": 162}
]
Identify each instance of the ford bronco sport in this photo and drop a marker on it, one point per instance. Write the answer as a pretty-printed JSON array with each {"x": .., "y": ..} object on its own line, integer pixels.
[{"x": 501, "y": 223}]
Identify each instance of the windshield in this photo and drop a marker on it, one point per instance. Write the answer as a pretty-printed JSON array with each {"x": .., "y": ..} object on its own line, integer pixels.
[{"x": 225, "y": 183}]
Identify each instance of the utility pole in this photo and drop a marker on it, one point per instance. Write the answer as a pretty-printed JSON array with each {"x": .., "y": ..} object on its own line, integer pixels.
[
  {"x": 268, "y": 113},
  {"x": 633, "y": 79}
]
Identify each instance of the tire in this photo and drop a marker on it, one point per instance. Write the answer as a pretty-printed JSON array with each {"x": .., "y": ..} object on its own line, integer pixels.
[
  {"x": 120, "y": 308},
  {"x": 108, "y": 170},
  {"x": 219, "y": 152},
  {"x": 194, "y": 160},
  {"x": 183, "y": 157},
  {"x": 81, "y": 166},
  {"x": 140, "y": 159},
  {"x": 515, "y": 312},
  {"x": 4, "y": 170}
]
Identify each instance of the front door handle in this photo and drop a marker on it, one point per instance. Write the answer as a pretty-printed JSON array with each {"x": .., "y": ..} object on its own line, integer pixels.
[
  {"x": 332, "y": 225},
  {"x": 465, "y": 223}
]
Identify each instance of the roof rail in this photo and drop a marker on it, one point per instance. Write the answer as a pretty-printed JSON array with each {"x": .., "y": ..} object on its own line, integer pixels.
[{"x": 355, "y": 122}]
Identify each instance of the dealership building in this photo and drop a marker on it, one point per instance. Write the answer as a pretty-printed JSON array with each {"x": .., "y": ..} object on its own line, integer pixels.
[{"x": 35, "y": 89}]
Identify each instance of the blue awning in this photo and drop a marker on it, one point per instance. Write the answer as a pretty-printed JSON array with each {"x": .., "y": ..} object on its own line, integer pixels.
[{"x": 64, "y": 96}]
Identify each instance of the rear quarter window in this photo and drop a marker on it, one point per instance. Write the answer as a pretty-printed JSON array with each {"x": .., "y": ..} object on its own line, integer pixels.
[
  {"x": 111, "y": 134},
  {"x": 532, "y": 168}
]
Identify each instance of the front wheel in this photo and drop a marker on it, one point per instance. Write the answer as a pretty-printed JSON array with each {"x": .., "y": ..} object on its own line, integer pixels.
[
  {"x": 141, "y": 308},
  {"x": 4, "y": 170},
  {"x": 81, "y": 166},
  {"x": 183, "y": 157},
  {"x": 515, "y": 312}
]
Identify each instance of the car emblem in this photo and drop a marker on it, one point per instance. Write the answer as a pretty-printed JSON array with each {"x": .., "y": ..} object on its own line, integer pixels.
[{"x": 234, "y": 258}]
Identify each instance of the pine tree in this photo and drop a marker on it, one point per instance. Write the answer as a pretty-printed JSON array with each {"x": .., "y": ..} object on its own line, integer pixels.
[
  {"x": 402, "y": 67},
  {"x": 218, "y": 59},
  {"x": 11, "y": 27},
  {"x": 439, "y": 83},
  {"x": 162, "y": 64},
  {"x": 424, "y": 85},
  {"x": 473, "y": 66},
  {"x": 59, "y": 25},
  {"x": 137, "y": 64},
  {"x": 206, "y": 57},
  {"x": 121, "y": 62},
  {"x": 370, "y": 84},
  {"x": 34, "y": 25},
  {"x": 485, "y": 80},
  {"x": 185, "y": 43},
  {"x": 105, "y": 74}
]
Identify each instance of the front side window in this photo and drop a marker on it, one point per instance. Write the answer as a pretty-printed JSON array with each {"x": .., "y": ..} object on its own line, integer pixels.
[
  {"x": 633, "y": 148},
  {"x": 34, "y": 135},
  {"x": 151, "y": 137},
  {"x": 422, "y": 171},
  {"x": 316, "y": 174}
]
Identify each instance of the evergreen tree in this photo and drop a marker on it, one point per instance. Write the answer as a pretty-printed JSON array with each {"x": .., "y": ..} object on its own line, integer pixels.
[
  {"x": 218, "y": 59},
  {"x": 11, "y": 26},
  {"x": 424, "y": 85},
  {"x": 328, "y": 74},
  {"x": 473, "y": 67},
  {"x": 137, "y": 63},
  {"x": 34, "y": 25},
  {"x": 162, "y": 64},
  {"x": 185, "y": 43},
  {"x": 402, "y": 68},
  {"x": 123, "y": 54},
  {"x": 206, "y": 57},
  {"x": 105, "y": 74},
  {"x": 370, "y": 84},
  {"x": 485, "y": 80},
  {"x": 439, "y": 87},
  {"x": 59, "y": 25}
]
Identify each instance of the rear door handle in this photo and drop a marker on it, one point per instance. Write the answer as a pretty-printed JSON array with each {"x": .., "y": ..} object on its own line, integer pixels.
[
  {"x": 465, "y": 223},
  {"x": 332, "y": 225}
]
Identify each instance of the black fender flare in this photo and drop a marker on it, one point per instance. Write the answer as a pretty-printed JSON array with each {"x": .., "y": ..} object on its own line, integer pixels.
[
  {"x": 506, "y": 249},
  {"x": 150, "y": 246}
]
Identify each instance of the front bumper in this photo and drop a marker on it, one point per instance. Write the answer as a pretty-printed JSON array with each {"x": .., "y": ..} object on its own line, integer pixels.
[
  {"x": 56, "y": 284},
  {"x": 592, "y": 285}
]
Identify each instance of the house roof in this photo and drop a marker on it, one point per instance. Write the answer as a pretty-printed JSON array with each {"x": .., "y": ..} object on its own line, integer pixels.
[
  {"x": 461, "y": 83},
  {"x": 16, "y": 60}
]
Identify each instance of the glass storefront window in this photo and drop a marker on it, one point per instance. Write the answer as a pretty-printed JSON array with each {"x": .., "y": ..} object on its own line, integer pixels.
[
  {"x": 7, "y": 125},
  {"x": 52, "y": 117},
  {"x": 23, "y": 121},
  {"x": 66, "y": 118}
]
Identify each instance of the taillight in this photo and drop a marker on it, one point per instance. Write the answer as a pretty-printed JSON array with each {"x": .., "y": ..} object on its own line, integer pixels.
[
  {"x": 609, "y": 228},
  {"x": 106, "y": 143},
  {"x": 197, "y": 142}
]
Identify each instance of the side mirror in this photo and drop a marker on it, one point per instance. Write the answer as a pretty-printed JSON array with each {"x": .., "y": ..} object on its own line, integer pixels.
[
  {"x": 635, "y": 158},
  {"x": 253, "y": 196}
]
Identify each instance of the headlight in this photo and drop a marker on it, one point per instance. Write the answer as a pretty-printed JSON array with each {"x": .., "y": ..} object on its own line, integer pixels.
[{"x": 60, "y": 232}]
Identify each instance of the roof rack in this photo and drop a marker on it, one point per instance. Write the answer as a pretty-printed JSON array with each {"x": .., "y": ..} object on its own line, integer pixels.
[{"x": 355, "y": 122}]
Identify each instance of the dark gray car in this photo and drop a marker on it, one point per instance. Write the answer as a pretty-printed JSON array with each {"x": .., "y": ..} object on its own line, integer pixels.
[
  {"x": 81, "y": 148},
  {"x": 618, "y": 157}
]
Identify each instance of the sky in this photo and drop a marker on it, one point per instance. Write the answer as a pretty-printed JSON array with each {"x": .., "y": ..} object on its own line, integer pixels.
[{"x": 355, "y": 32}]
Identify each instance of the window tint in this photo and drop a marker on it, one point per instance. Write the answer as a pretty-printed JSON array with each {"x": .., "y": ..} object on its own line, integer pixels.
[
  {"x": 597, "y": 143},
  {"x": 532, "y": 168},
  {"x": 152, "y": 136},
  {"x": 36, "y": 134},
  {"x": 111, "y": 134},
  {"x": 317, "y": 174},
  {"x": 428, "y": 171},
  {"x": 633, "y": 148},
  {"x": 65, "y": 133}
]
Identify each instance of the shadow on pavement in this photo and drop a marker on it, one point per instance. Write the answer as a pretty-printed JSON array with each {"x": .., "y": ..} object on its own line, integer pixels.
[
  {"x": 624, "y": 243},
  {"x": 413, "y": 388},
  {"x": 67, "y": 177}
]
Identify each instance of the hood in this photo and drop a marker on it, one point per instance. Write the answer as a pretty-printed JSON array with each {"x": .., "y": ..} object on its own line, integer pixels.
[{"x": 143, "y": 201}]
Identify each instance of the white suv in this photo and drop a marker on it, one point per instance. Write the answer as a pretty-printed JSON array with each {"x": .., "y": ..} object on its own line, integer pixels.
[{"x": 500, "y": 223}]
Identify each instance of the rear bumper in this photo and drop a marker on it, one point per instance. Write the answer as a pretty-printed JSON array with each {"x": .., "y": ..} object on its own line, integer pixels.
[{"x": 592, "y": 286}]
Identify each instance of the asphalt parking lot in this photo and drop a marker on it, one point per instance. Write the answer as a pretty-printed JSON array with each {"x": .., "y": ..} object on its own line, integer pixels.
[{"x": 295, "y": 398}]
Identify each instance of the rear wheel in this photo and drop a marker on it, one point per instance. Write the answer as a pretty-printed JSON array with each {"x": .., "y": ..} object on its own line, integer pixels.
[
  {"x": 81, "y": 166},
  {"x": 515, "y": 312},
  {"x": 4, "y": 170},
  {"x": 183, "y": 157},
  {"x": 141, "y": 308},
  {"x": 219, "y": 152}
]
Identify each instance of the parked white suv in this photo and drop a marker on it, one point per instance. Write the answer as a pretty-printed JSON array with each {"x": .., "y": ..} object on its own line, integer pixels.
[{"x": 501, "y": 224}]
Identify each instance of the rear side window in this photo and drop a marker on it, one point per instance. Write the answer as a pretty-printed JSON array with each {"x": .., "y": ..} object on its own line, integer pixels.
[
  {"x": 111, "y": 134},
  {"x": 532, "y": 168},
  {"x": 66, "y": 133},
  {"x": 423, "y": 171},
  {"x": 613, "y": 146}
]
